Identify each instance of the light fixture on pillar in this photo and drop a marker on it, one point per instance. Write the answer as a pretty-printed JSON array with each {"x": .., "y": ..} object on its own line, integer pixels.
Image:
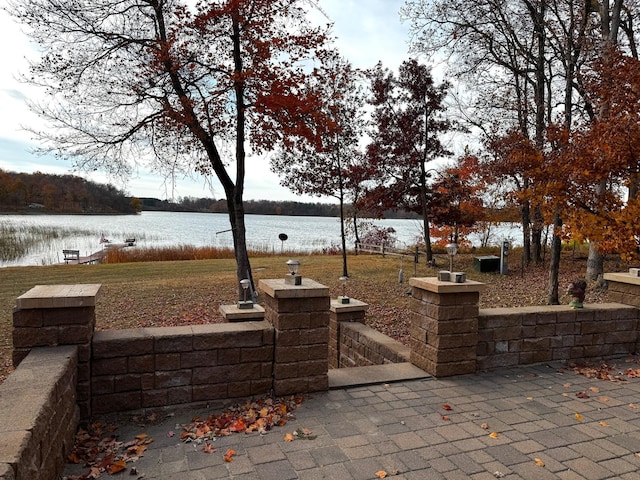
[
  {"x": 244, "y": 303},
  {"x": 293, "y": 278},
  {"x": 457, "y": 277},
  {"x": 343, "y": 298}
]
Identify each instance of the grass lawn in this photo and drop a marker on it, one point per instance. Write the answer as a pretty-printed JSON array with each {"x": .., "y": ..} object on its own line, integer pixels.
[{"x": 190, "y": 292}]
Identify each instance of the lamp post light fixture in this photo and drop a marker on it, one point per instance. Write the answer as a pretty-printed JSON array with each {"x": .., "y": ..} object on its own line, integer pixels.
[
  {"x": 343, "y": 298},
  {"x": 452, "y": 249},
  {"x": 293, "y": 278},
  {"x": 244, "y": 303}
]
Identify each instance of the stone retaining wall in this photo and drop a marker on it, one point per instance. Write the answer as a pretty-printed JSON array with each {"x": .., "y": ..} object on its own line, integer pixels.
[
  {"x": 362, "y": 346},
  {"x": 517, "y": 336},
  {"x": 156, "y": 367},
  {"x": 38, "y": 415}
]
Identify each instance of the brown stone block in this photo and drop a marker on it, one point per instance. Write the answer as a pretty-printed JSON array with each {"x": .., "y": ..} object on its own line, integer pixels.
[
  {"x": 84, "y": 353},
  {"x": 585, "y": 315},
  {"x": 577, "y": 352},
  {"x": 266, "y": 370},
  {"x": 167, "y": 361},
  {"x": 500, "y": 318},
  {"x": 24, "y": 337},
  {"x": 453, "y": 341},
  {"x": 626, "y": 325},
  {"x": 239, "y": 389},
  {"x": 257, "y": 354},
  {"x": 591, "y": 351},
  {"x": 109, "y": 366},
  {"x": 211, "y": 337},
  {"x": 147, "y": 381},
  {"x": 154, "y": 398},
  {"x": 545, "y": 330},
  {"x": 535, "y": 344},
  {"x": 498, "y": 361},
  {"x": 508, "y": 333},
  {"x": 314, "y": 336},
  {"x": 286, "y": 338},
  {"x": 198, "y": 358},
  {"x": 542, "y": 356},
  {"x": 141, "y": 363},
  {"x": 174, "y": 378},
  {"x": 567, "y": 328},
  {"x": 563, "y": 353},
  {"x": 116, "y": 343},
  {"x": 317, "y": 352},
  {"x": 292, "y": 321},
  {"x": 228, "y": 356},
  {"x": 286, "y": 370},
  {"x": 621, "y": 337},
  {"x": 209, "y": 392},
  {"x": 116, "y": 402},
  {"x": 179, "y": 395},
  {"x": 31, "y": 318},
  {"x": 171, "y": 339},
  {"x": 69, "y": 316},
  {"x": 127, "y": 383},
  {"x": 102, "y": 385},
  {"x": 261, "y": 386},
  {"x": 290, "y": 386},
  {"x": 597, "y": 326},
  {"x": 291, "y": 354},
  {"x": 455, "y": 368},
  {"x": 319, "y": 383},
  {"x": 312, "y": 368},
  {"x": 581, "y": 340}
]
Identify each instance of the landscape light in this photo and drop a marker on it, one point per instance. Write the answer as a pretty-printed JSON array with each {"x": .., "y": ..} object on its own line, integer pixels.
[
  {"x": 293, "y": 278},
  {"x": 452, "y": 249},
  {"x": 343, "y": 298},
  {"x": 244, "y": 303}
]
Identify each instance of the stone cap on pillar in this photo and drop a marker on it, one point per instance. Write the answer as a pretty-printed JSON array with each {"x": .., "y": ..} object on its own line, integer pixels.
[
  {"x": 232, "y": 313},
  {"x": 622, "y": 277},
  {"x": 432, "y": 284},
  {"x": 277, "y": 288},
  {"x": 59, "y": 296},
  {"x": 353, "y": 306}
]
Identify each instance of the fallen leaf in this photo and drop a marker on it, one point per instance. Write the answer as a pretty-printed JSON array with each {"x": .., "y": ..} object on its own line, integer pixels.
[
  {"x": 566, "y": 385},
  {"x": 208, "y": 448},
  {"x": 381, "y": 474},
  {"x": 539, "y": 462},
  {"x": 603, "y": 399},
  {"x": 565, "y": 394},
  {"x": 582, "y": 395},
  {"x": 445, "y": 418},
  {"x": 633, "y": 405},
  {"x": 529, "y": 398},
  {"x": 170, "y": 433},
  {"x": 603, "y": 424},
  {"x": 494, "y": 434},
  {"x": 485, "y": 426},
  {"x": 141, "y": 436},
  {"x": 288, "y": 438},
  {"x": 118, "y": 466},
  {"x": 446, "y": 406},
  {"x": 228, "y": 457},
  {"x": 594, "y": 389},
  {"x": 578, "y": 417}
]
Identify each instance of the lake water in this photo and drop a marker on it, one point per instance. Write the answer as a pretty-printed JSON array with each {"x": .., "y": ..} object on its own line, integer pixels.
[{"x": 157, "y": 229}]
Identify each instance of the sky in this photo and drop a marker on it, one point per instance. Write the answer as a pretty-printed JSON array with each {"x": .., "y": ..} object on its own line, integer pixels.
[{"x": 367, "y": 31}]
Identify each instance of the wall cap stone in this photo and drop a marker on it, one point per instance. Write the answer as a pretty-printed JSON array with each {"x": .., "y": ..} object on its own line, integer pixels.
[
  {"x": 432, "y": 284},
  {"x": 622, "y": 277},
  {"x": 277, "y": 288},
  {"x": 59, "y": 296},
  {"x": 353, "y": 306},
  {"x": 232, "y": 313}
]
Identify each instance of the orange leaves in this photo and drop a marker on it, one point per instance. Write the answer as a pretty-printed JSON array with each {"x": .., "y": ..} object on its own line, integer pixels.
[
  {"x": 98, "y": 448},
  {"x": 494, "y": 435},
  {"x": 579, "y": 417},
  {"x": 539, "y": 462},
  {"x": 381, "y": 474},
  {"x": 228, "y": 456},
  {"x": 289, "y": 437},
  {"x": 447, "y": 407}
]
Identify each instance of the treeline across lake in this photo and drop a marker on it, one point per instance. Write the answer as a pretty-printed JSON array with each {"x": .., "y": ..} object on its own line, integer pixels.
[
  {"x": 48, "y": 193},
  {"x": 255, "y": 207}
]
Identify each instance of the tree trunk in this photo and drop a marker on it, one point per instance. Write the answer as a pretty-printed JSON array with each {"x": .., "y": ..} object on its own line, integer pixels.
[
  {"x": 345, "y": 272},
  {"x": 554, "y": 267},
  {"x": 526, "y": 234},
  {"x": 238, "y": 229},
  {"x": 595, "y": 263},
  {"x": 536, "y": 235}
]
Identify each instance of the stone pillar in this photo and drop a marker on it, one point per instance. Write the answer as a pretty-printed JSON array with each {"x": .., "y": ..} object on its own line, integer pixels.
[
  {"x": 300, "y": 317},
  {"x": 354, "y": 311},
  {"x": 52, "y": 315},
  {"x": 444, "y": 326}
]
